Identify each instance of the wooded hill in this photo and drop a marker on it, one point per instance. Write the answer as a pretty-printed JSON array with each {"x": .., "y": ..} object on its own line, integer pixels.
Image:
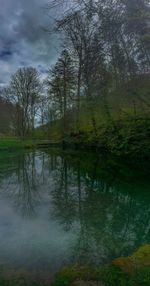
[{"x": 97, "y": 93}]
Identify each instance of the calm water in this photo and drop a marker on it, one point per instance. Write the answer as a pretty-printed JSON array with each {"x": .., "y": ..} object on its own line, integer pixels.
[{"x": 62, "y": 209}]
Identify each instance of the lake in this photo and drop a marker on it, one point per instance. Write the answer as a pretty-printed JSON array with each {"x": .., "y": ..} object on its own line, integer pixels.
[{"x": 62, "y": 208}]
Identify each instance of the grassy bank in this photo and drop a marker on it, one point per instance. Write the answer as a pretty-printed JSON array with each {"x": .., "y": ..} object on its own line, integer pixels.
[
  {"x": 123, "y": 271},
  {"x": 120, "y": 137},
  {"x": 10, "y": 144},
  {"x": 129, "y": 137}
]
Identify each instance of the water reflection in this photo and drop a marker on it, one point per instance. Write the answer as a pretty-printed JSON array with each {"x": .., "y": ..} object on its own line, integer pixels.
[{"x": 58, "y": 209}]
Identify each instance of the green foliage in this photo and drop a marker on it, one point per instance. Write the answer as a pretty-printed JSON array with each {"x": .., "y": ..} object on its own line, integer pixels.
[
  {"x": 118, "y": 123},
  {"x": 68, "y": 275},
  {"x": 137, "y": 274},
  {"x": 113, "y": 276},
  {"x": 109, "y": 275},
  {"x": 129, "y": 136}
]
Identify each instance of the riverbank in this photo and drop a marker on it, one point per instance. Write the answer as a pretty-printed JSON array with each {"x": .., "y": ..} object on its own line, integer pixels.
[
  {"x": 129, "y": 138},
  {"x": 13, "y": 144},
  {"x": 124, "y": 138},
  {"x": 124, "y": 271}
]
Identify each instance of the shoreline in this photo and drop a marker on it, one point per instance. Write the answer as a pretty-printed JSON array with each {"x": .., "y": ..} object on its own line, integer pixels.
[
  {"x": 127, "y": 271},
  {"x": 70, "y": 146}
]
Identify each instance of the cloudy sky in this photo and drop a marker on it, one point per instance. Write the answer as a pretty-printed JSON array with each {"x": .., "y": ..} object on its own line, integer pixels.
[{"x": 23, "y": 41}]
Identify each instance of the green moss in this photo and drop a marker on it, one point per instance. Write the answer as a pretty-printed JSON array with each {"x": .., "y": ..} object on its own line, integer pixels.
[
  {"x": 140, "y": 258},
  {"x": 124, "y": 271},
  {"x": 109, "y": 275},
  {"x": 68, "y": 275}
]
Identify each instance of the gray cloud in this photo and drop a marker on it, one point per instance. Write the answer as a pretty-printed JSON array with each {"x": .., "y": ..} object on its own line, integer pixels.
[{"x": 23, "y": 41}]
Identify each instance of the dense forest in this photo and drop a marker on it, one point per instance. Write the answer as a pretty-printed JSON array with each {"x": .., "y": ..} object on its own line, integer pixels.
[{"x": 97, "y": 93}]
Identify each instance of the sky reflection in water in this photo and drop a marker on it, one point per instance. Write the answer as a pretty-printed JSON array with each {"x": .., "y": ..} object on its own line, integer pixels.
[{"x": 58, "y": 210}]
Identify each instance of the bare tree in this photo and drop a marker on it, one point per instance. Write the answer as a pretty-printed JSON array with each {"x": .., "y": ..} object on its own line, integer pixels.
[{"x": 24, "y": 92}]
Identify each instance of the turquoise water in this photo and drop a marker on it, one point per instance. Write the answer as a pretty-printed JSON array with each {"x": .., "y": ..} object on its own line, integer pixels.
[{"x": 60, "y": 208}]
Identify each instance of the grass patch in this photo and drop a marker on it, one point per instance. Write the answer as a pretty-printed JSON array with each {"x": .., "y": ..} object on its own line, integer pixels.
[{"x": 8, "y": 144}]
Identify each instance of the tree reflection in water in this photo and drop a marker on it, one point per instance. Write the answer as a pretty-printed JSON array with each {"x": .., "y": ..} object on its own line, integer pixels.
[
  {"x": 110, "y": 216},
  {"x": 106, "y": 206}
]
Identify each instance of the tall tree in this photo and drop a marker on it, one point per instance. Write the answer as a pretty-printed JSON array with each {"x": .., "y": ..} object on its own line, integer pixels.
[
  {"x": 24, "y": 92},
  {"x": 61, "y": 82}
]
